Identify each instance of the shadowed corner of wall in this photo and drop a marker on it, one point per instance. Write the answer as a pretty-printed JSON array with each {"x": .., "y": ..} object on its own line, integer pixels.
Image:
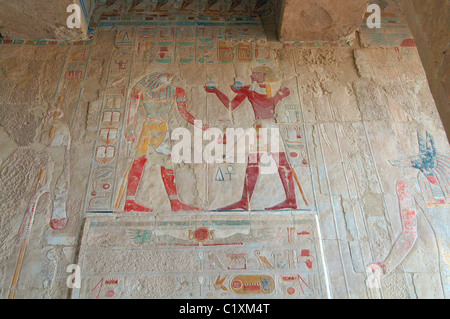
[
  {"x": 270, "y": 27},
  {"x": 269, "y": 23}
]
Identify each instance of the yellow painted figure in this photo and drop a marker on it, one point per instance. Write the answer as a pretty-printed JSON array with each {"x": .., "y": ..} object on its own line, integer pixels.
[{"x": 157, "y": 95}]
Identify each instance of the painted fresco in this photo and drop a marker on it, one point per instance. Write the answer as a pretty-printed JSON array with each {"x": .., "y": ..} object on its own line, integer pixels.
[
  {"x": 353, "y": 204},
  {"x": 394, "y": 31},
  {"x": 220, "y": 258}
]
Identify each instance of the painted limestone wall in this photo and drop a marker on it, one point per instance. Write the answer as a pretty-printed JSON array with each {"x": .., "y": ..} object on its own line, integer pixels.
[
  {"x": 87, "y": 176},
  {"x": 31, "y": 20}
]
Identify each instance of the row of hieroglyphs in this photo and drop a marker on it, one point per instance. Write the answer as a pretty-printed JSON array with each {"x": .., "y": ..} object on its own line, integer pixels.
[
  {"x": 192, "y": 43},
  {"x": 231, "y": 258},
  {"x": 201, "y": 285}
]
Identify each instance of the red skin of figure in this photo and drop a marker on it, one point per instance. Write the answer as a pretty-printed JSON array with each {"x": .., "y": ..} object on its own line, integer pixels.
[{"x": 264, "y": 108}]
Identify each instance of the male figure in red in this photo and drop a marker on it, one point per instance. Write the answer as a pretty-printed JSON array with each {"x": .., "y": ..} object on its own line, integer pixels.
[{"x": 264, "y": 104}]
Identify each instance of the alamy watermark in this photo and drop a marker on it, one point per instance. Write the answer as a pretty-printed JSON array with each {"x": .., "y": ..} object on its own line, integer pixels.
[
  {"x": 374, "y": 20},
  {"x": 74, "y": 19},
  {"x": 232, "y": 146},
  {"x": 74, "y": 280}
]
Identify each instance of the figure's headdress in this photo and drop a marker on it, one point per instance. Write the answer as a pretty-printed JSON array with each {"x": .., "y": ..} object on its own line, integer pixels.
[
  {"x": 154, "y": 81},
  {"x": 269, "y": 74},
  {"x": 269, "y": 77}
]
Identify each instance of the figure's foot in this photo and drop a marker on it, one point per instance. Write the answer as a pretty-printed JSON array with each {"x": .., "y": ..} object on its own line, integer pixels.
[
  {"x": 287, "y": 204},
  {"x": 242, "y": 204},
  {"x": 177, "y": 205},
  {"x": 132, "y": 206},
  {"x": 378, "y": 269}
]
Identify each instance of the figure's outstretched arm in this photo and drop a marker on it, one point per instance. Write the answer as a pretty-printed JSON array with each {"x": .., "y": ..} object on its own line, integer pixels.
[
  {"x": 180, "y": 96},
  {"x": 233, "y": 104},
  {"x": 406, "y": 240},
  {"x": 132, "y": 114}
]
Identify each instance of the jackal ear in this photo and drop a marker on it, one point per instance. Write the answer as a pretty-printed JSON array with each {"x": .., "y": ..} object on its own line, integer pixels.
[
  {"x": 431, "y": 147},
  {"x": 422, "y": 144}
]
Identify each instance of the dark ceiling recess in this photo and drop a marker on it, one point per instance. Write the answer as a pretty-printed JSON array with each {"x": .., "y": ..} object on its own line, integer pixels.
[{"x": 215, "y": 7}]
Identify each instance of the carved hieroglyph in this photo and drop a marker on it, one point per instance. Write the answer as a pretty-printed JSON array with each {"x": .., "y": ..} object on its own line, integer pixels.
[{"x": 271, "y": 257}]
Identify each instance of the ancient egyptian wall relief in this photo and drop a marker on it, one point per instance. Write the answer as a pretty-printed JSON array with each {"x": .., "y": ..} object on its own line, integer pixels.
[
  {"x": 221, "y": 257},
  {"x": 168, "y": 74},
  {"x": 358, "y": 190},
  {"x": 141, "y": 110}
]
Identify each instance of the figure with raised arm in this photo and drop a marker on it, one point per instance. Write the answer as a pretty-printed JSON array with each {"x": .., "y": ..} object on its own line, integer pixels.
[
  {"x": 264, "y": 103},
  {"x": 157, "y": 95}
]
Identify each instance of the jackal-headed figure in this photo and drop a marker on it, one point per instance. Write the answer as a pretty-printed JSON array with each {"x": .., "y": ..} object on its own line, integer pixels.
[
  {"x": 157, "y": 95},
  {"x": 430, "y": 193},
  {"x": 434, "y": 171}
]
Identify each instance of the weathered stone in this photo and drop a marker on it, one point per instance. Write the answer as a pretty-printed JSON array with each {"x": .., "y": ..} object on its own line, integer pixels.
[
  {"x": 430, "y": 27},
  {"x": 321, "y": 20},
  {"x": 29, "y": 20}
]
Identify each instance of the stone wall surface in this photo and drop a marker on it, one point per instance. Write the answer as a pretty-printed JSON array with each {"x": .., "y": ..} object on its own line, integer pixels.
[
  {"x": 320, "y": 20},
  {"x": 88, "y": 177},
  {"x": 39, "y": 20},
  {"x": 430, "y": 26}
]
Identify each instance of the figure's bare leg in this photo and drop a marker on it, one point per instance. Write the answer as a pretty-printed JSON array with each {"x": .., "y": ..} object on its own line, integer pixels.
[
  {"x": 136, "y": 171},
  {"x": 287, "y": 179},
  {"x": 159, "y": 132},
  {"x": 251, "y": 177},
  {"x": 168, "y": 177},
  {"x": 134, "y": 179}
]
